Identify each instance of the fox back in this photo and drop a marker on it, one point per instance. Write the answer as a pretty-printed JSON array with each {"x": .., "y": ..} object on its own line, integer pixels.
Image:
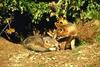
[{"x": 40, "y": 43}]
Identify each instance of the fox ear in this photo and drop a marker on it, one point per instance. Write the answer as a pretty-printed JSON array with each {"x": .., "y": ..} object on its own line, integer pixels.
[
  {"x": 36, "y": 32},
  {"x": 55, "y": 36},
  {"x": 52, "y": 34},
  {"x": 49, "y": 34}
]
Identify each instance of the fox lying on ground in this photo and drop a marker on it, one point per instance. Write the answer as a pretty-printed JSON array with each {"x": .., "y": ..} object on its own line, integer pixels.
[{"x": 39, "y": 43}]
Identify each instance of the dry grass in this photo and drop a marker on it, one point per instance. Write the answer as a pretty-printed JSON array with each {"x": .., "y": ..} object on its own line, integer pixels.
[{"x": 88, "y": 55}]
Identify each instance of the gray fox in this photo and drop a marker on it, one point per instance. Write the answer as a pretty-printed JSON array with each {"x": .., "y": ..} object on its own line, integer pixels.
[{"x": 40, "y": 43}]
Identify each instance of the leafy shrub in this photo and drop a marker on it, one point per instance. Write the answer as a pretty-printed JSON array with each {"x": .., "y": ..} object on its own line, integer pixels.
[
  {"x": 35, "y": 10},
  {"x": 83, "y": 9}
]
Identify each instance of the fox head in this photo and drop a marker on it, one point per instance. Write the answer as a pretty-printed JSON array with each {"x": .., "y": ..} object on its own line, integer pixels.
[
  {"x": 60, "y": 22},
  {"x": 67, "y": 30}
]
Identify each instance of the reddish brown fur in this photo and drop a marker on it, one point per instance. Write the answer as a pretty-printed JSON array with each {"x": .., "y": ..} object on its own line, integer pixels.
[{"x": 67, "y": 30}]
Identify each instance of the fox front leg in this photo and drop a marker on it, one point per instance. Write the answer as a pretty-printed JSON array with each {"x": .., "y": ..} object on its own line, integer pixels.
[{"x": 73, "y": 44}]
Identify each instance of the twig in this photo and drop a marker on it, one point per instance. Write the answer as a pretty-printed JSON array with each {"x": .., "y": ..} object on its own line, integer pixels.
[{"x": 3, "y": 29}]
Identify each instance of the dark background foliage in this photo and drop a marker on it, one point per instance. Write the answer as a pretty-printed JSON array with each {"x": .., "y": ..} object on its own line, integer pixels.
[{"x": 26, "y": 15}]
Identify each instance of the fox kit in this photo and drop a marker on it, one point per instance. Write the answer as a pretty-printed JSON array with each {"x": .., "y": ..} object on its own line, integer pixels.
[
  {"x": 69, "y": 32},
  {"x": 40, "y": 43},
  {"x": 66, "y": 33}
]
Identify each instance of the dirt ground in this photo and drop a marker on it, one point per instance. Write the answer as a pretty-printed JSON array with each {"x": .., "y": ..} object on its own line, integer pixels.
[{"x": 86, "y": 55}]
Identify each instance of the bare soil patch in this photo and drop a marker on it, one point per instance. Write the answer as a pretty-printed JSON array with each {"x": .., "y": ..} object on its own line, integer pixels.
[{"x": 87, "y": 55}]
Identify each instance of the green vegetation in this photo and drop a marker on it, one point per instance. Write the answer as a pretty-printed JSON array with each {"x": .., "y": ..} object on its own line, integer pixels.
[
  {"x": 97, "y": 37},
  {"x": 83, "y": 9},
  {"x": 36, "y": 9},
  {"x": 82, "y": 42},
  {"x": 39, "y": 11}
]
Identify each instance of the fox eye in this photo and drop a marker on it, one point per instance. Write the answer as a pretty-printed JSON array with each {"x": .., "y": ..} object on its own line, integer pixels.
[
  {"x": 57, "y": 22},
  {"x": 61, "y": 30},
  {"x": 61, "y": 22}
]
